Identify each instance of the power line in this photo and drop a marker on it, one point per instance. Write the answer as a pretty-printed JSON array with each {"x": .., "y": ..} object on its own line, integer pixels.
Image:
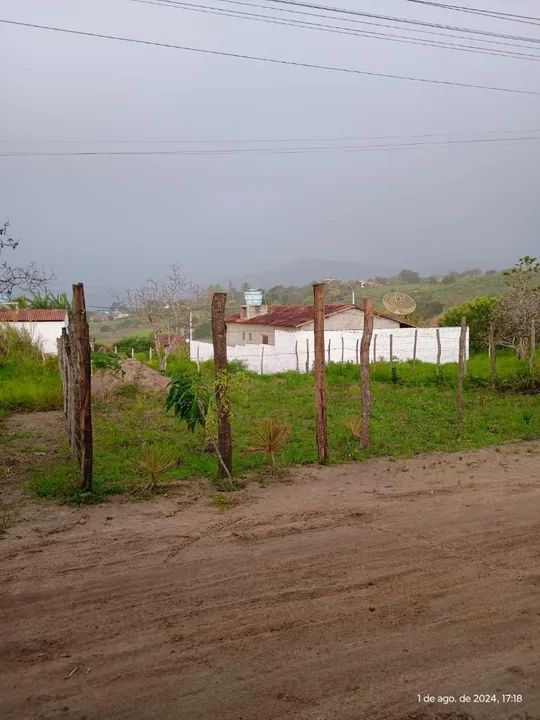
[
  {"x": 260, "y": 58},
  {"x": 340, "y": 30},
  {"x": 496, "y": 14},
  {"x": 355, "y": 20},
  {"x": 408, "y": 21},
  {"x": 269, "y": 151},
  {"x": 233, "y": 141}
]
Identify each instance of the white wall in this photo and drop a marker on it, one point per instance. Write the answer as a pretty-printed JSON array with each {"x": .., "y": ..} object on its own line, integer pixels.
[
  {"x": 43, "y": 334},
  {"x": 294, "y": 349}
]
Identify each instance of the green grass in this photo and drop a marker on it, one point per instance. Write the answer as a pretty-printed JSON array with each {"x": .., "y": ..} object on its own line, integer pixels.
[
  {"x": 416, "y": 414},
  {"x": 29, "y": 385}
]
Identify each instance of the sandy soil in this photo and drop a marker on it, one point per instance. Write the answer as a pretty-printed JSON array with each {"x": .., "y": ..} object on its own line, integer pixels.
[
  {"x": 338, "y": 595},
  {"x": 132, "y": 372}
]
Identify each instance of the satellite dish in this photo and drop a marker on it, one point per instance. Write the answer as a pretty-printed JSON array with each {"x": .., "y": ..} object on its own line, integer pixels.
[{"x": 399, "y": 303}]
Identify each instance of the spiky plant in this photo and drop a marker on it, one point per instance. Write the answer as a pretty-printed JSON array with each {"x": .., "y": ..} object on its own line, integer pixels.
[
  {"x": 270, "y": 437},
  {"x": 354, "y": 426},
  {"x": 153, "y": 463}
]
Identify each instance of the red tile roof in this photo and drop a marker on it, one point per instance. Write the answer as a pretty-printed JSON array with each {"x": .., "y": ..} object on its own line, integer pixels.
[
  {"x": 33, "y": 315},
  {"x": 297, "y": 315}
]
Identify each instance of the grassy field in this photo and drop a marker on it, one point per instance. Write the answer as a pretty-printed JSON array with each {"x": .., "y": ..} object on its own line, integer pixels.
[{"x": 412, "y": 413}]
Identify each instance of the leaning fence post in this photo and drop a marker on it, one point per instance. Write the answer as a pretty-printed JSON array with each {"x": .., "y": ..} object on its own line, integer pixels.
[
  {"x": 532, "y": 357},
  {"x": 84, "y": 382},
  {"x": 219, "y": 339},
  {"x": 461, "y": 372},
  {"x": 438, "y": 334},
  {"x": 364, "y": 374},
  {"x": 492, "y": 355},
  {"x": 320, "y": 390}
]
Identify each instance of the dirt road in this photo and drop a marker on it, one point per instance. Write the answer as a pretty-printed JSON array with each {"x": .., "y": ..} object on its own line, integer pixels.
[{"x": 342, "y": 595}]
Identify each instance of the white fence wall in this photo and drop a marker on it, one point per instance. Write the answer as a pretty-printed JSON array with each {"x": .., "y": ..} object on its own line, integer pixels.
[{"x": 294, "y": 350}]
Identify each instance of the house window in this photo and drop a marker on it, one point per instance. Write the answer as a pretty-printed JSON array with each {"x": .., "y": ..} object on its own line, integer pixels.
[{"x": 265, "y": 340}]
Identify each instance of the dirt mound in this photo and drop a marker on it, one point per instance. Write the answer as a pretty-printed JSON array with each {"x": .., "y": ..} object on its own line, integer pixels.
[{"x": 132, "y": 372}]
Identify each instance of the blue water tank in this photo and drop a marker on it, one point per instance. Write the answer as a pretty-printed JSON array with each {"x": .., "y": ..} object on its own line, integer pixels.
[{"x": 254, "y": 297}]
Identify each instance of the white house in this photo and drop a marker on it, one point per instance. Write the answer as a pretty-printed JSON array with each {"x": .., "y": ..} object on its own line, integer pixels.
[
  {"x": 279, "y": 338},
  {"x": 43, "y": 326},
  {"x": 258, "y": 324}
]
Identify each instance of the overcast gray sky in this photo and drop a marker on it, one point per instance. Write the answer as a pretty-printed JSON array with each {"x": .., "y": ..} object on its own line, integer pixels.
[{"x": 113, "y": 221}]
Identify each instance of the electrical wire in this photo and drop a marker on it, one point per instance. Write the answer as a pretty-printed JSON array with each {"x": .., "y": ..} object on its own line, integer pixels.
[
  {"x": 408, "y": 21},
  {"x": 340, "y": 30},
  {"x": 260, "y": 58},
  {"x": 496, "y": 14},
  {"x": 234, "y": 141},
  {"x": 355, "y": 20},
  {"x": 269, "y": 151}
]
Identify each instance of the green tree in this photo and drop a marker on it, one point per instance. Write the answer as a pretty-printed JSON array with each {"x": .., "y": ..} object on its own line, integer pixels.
[
  {"x": 480, "y": 312},
  {"x": 411, "y": 277}
]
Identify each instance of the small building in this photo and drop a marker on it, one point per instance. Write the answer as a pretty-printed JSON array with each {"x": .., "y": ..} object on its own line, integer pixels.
[
  {"x": 170, "y": 342},
  {"x": 280, "y": 338},
  {"x": 43, "y": 326},
  {"x": 257, "y": 323}
]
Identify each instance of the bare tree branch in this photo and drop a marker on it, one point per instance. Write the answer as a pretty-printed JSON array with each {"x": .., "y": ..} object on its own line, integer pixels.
[{"x": 28, "y": 277}]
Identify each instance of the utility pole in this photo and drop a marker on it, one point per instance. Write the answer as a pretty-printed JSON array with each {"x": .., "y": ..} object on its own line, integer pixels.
[{"x": 320, "y": 389}]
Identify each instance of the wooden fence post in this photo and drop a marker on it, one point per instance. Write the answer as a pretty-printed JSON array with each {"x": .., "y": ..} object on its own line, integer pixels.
[
  {"x": 365, "y": 390},
  {"x": 414, "y": 351},
  {"x": 492, "y": 355},
  {"x": 532, "y": 356},
  {"x": 320, "y": 389},
  {"x": 262, "y": 360},
  {"x": 219, "y": 340},
  {"x": 342, "y": 350},
  {"x": 198, "y": 360},
  {"x": 438, "y": 334},
  {"x": 329, "y": 345},
  {"x": 391, "y": 349},
  {"x": 296, "y": 353},
  {"x": 307, "y": 355},
  {"x": 461, "y": 373},
  {"x": 132, "y": 353},
  {"x": 84, "y": 382},
  {"x": 357, "y": 355},
  {"x": 150, "y": 354},
  {"x": 375, "y": 348}
]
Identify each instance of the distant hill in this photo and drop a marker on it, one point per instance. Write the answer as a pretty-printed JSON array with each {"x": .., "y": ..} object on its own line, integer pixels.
[{"x": 302, "y": 272}]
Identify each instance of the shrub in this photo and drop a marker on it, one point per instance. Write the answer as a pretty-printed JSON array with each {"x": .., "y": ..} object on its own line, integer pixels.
[
  {"x": 189, "y": 399},
  {"x": 479, "y": 313}
]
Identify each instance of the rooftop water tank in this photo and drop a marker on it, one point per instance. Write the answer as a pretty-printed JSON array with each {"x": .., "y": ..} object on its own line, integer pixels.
[{"x": 254, "y": 297}]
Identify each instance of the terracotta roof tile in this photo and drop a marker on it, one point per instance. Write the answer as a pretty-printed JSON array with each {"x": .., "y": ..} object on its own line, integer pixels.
[
  {"x": 296, "y": 315},
  {"x": 33, "y": 315}
]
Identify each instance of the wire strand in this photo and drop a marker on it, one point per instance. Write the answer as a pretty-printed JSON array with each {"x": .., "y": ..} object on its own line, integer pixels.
[{"x": 274, "y": 61}]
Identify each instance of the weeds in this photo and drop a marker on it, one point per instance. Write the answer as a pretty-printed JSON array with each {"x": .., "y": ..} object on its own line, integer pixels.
[{"x": 154, "y": 463}]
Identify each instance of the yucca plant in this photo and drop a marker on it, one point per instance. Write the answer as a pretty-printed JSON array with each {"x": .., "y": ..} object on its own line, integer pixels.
[
  {"x": 354, "y": 426},
  {"x": 270, "y": 437},
  {"x": 153, "y": 463}
]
